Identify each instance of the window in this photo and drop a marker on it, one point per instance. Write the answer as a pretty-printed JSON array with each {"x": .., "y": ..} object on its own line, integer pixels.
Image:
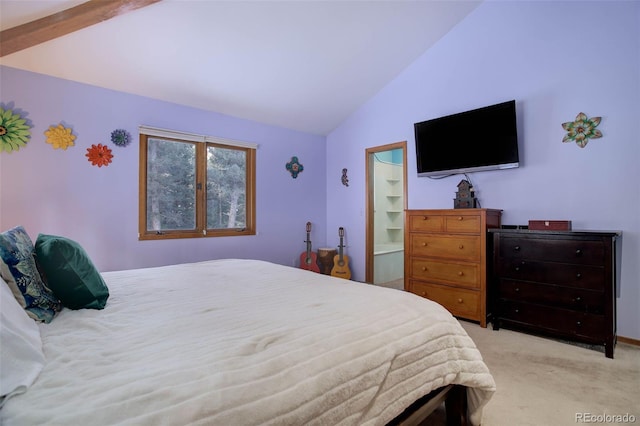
[{"x": 195, "y": 186}]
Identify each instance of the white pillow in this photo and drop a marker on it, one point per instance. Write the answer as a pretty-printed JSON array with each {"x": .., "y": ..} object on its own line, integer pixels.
[{"x": 21, "y": 356}]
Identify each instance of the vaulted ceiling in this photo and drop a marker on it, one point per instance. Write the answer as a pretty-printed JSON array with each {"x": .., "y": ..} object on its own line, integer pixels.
[{"x": 299, "y": 64}]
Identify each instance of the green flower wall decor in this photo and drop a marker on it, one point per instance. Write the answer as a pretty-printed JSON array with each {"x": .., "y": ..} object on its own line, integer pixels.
[
  {"x": 582, "y": 129},
  {"x": 14, "y": 130}
]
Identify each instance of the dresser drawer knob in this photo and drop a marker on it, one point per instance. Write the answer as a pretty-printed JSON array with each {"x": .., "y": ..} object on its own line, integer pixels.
[
  {"x": 578, "y": 323},
  {"x": 460, "y": 300},
  {"x": 460, "y": 246},
  {"x": 578, "y": 275},
  {"x": 578, "y": 252},
  {"x": 577, "y": 299},
  {"x": 423, "y": 294},
  {"x": 424, "y": 244},
  {"x": 517, "y": 248},
  {"x": 517, "y": 268},
  {"x": 425, "y": 217},
  {"x": 460, "y": 273},
  {"x": 517, "y": 290},
  {"x": 517, "y": 311},
  {"x": 424, "y": 268},
  {"x": 459, "y": 217}
]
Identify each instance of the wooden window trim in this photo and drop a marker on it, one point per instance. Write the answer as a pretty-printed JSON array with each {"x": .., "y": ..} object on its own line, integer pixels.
[{"x": 200, "y": 230}]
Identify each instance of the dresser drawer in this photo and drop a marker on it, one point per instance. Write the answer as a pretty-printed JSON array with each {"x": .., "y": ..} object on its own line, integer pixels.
[
  {"x": 457, "y": 223},
  {"x": 451, "y": 247},
  {"x": 560, "y": 321},
  {"x": 570, "y": 275},
  {"x": 466, "y": 224},
  {"x": 553, "y": 250},
  {"x": 426, "y": 223},
  {"x": 562, "y": 297},
  {"x": 461, "y": 274},
  {"x": 460, "y": 302}
]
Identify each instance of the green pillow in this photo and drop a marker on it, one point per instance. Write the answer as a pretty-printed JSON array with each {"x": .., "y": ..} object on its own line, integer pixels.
[{"x": 70, "y": 274}]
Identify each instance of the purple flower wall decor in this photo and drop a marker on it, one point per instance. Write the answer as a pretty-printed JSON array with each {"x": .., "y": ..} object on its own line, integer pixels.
[{"x": 582, "y": 129}]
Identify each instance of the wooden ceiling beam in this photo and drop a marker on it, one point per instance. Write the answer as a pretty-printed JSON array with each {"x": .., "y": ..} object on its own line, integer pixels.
[{"x": 65, "y": 22}]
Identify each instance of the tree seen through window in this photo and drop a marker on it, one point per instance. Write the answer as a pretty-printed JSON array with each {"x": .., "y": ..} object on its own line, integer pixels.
[{"x": 192, "y": 189}]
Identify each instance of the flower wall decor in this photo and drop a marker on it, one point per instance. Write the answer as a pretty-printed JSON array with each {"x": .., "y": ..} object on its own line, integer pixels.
[
  {"x": 60, "y": 137},
  {"x": 582, "y": 129},
  {"x": 120, "y": 137},
  {"x": 99, "y": 155},
  {"x": 14, "y": 130},
  {"x": 294, "y": 167}
]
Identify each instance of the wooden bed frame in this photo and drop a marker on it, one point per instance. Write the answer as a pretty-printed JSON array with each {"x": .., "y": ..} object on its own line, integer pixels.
[{"x": 454, "y": 398}]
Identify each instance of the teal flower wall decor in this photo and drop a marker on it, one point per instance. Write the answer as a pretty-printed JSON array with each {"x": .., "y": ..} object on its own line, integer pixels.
[
  {"x": 294, "y": 167},
  {"x": 582, "y": 129}
]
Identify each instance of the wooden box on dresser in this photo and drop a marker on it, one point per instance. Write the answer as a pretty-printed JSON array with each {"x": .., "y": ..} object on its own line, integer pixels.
[
  {"x": 446, "y": 258},
  {"x": 559, "y": 283}
]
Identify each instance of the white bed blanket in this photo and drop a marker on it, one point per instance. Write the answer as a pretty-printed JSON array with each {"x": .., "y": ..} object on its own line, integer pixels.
[{"x": 244, "y": 342}]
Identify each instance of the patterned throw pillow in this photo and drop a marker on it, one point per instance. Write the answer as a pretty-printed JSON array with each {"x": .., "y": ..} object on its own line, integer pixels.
[{"x": 18, "y": 268}]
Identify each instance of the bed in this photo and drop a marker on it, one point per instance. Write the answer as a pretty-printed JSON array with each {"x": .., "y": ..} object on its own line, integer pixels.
[{"x": 248, "y": 342}]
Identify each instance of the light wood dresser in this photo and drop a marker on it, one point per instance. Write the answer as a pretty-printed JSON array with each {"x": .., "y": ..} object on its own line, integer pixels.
[{"x": 446, "y": 258}]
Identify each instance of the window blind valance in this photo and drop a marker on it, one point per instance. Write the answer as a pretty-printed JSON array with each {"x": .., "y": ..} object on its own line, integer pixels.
[{"x": 174, "y": 134}]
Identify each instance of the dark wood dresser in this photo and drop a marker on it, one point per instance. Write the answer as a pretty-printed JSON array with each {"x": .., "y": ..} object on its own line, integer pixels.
[
  {"x": 446, "y": 258},
  {"x": 557, "y": 283}
]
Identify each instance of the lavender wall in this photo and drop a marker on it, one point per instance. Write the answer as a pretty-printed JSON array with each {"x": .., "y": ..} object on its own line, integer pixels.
[
  {"x": 60, "y": 192},
  {"x": 556, "y": 59}
]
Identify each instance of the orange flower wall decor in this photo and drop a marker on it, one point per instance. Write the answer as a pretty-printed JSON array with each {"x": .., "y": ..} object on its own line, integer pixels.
[{"x": 99, "y": 155}]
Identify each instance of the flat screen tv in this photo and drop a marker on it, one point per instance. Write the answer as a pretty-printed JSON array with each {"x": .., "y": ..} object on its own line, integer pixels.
[{"x": 471, "y": 141}]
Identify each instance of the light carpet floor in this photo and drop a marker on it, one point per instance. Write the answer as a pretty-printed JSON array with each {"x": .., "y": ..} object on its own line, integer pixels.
[
  {"x": 542, "y": 381},
  {"x": 546, "y": 382}
]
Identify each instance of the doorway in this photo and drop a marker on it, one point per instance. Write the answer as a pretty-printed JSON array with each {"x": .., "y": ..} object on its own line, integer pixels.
[{"x": 386, "y": 177}]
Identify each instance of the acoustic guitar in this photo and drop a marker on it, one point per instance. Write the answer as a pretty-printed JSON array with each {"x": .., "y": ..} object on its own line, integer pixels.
[
  {"x": 308, "y": 259},
  {"x": 341, "y": 261}
]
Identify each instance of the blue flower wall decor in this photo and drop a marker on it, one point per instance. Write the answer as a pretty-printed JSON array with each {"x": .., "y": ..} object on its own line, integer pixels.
[{"x": 120, "y": 137}]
